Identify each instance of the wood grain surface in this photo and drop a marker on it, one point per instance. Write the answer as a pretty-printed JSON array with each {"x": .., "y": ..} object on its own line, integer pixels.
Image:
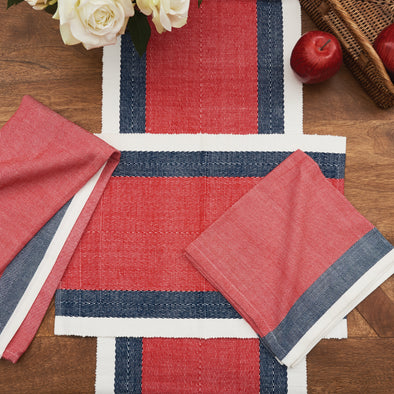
[{"x": 33, "y": 60}]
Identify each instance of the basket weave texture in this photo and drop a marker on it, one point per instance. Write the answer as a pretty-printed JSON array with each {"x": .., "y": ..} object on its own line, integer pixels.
[{"x": 356, "y": 23}]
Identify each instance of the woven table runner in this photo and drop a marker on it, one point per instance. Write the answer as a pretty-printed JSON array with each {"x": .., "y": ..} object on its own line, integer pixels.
[
  {"x": 129, "y": 276},
  {"x": 183, "y": 365},
  {"x": 226, "y": 71},
  {"x": 179, "y": 365}
]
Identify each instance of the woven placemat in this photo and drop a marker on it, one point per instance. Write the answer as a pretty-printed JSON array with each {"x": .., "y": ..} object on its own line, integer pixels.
[{"x": 129, "y": 277}]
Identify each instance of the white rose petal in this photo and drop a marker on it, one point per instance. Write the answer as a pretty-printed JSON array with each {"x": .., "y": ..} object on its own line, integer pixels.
[
  {"x": 166, "y": 13},
  {"x": 147, "y": 6},
  {"x": 37, "y": 4},
  {"x": 95, "y": 23}
]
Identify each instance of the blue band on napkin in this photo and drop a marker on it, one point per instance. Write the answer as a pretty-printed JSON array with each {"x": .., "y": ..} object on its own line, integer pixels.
[
  {"x": 329, "y": 288},
  {"x": 19, "y": 273}
]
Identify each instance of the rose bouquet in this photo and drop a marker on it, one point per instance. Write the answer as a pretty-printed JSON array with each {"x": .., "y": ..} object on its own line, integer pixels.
[{"x": 96, "y": 23}]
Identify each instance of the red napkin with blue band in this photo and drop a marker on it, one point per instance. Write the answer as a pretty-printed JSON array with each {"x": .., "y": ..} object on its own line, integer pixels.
[
  {"x": 52, "y": 174},
  {"x": 293, "y": 257}
]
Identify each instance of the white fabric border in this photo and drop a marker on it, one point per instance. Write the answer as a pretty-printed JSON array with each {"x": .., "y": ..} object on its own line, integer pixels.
[
  {"x": 226, "y": 142},
  {"x": 164, "y": 328},
  {"x": 297, "y": 378},
  {"x": 43, "y": 270},
  {"x": 293, "y": 98},
  {"x": 152, "y": 327},
  {"x": 339, "y": 331},
  {"x": 381, "y": 271},
  {"x": 105, "y": 365},
  {"x": 110, "y": 110}
]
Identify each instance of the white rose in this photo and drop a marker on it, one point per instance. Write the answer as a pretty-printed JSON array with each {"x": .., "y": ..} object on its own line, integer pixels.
[
  {"x": 166, "y": 13},
  {"x": 95, "y": 23},
  {"x": 38, "y": 4}
]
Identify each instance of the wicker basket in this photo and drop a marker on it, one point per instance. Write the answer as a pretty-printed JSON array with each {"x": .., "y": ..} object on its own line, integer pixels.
[{"x": 356, "y": 23}]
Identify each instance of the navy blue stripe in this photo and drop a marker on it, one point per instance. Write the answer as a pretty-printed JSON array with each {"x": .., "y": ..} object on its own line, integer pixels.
[
  {"x": 18, "y": 274},
  {"x": 326, "y": 290},
  {"x": 332, "y": 165},
  {"x": 273, "y": 376},
  {"x": 132, "y": 88},
  {"x": 144, "y": 304},
  {"x": 128, "y": 365},
  {"x": 217, "y": 164},
  {"x": 270, "y": 67}
]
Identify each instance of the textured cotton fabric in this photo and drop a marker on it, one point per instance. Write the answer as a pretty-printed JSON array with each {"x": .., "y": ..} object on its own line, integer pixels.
[
  {"x": 129, "y": 276},
  {"x": 130, "y": 279},
  {"x": 293, "y": 257},
  {"x": 226, "y": 71},
  {"x": 52, "y": 174},
  {"x": 180, "y": 365}
]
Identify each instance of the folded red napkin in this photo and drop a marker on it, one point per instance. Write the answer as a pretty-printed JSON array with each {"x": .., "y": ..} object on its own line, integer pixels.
[
  {"x": 293, "y": 256},
  {"x": 52, "y": 174}
]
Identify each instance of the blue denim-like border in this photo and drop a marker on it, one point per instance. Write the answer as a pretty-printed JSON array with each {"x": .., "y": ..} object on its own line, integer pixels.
[
  {"x": 217, "y": 164},
  {"x": 18, "y": 274},
  {"x": 326, "y": 290},
  {"x": 144, "y": 304},
  {"x": 273, "y": 375},
  {"x": 128, "y": 365},
  {"x": 270, "y": 67},
  {"x": 132, "y": 88}
]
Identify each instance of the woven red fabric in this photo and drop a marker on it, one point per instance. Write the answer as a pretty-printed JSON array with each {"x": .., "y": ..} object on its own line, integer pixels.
[
  {"x": 44, "y": 160},
  {"x": 158, "y": 217},
  {"x": 25, "y": 334},
  {"x": 277, "y": 240},
  {"x": 214, "y": 73},
  {"x": 200, "y": 363}
]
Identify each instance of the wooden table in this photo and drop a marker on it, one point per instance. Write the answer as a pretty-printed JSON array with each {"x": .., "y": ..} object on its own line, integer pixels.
[{"x": 33, "y": 60}]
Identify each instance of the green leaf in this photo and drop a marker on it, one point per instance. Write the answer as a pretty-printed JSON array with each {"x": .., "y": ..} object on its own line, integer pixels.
[
  {"x": 51, "y": 9},
  {"x": 139, "y": 29},
  {"x": 199, "y": 2},
  {"x": 13, "y": 2}
]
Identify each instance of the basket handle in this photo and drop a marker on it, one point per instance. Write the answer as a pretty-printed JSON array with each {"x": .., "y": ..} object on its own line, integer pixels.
[{"x": 337, "y": 7}]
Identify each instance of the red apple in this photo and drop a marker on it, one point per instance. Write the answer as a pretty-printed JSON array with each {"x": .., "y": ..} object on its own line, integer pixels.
[
  {"x": 384, "y": 46},
  {"x": 316, "y": 56}
]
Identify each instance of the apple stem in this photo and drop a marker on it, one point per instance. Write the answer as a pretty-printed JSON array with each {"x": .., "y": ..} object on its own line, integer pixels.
[{"x": 328, "y": 41}]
